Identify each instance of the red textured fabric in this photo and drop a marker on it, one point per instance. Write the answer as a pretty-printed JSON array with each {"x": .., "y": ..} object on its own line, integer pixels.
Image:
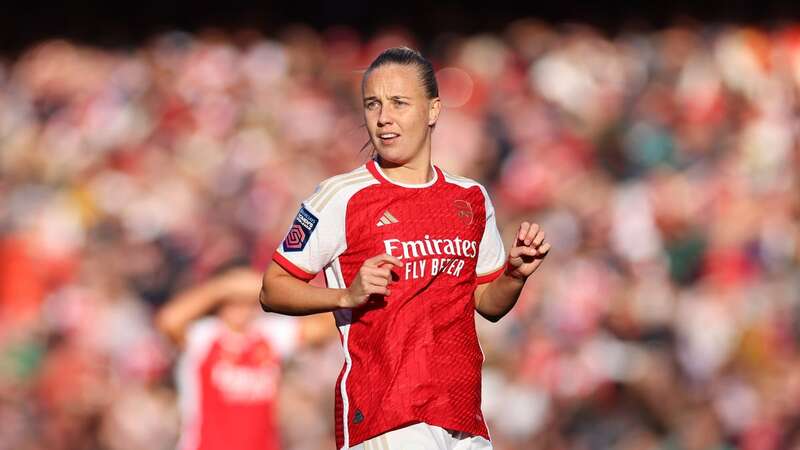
[{"x": 416, "y": 356}]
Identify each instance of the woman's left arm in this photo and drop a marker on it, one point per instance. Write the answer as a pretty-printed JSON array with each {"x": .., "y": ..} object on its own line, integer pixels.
[{"x": 494, "y": 300}]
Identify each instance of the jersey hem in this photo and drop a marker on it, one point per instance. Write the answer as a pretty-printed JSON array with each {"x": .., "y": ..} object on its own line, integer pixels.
[
  {"x": 491, "y": 276},
  {"x": 433, "y": 423},
  {"x": 291, "y": 268},
  {"x": 387, "y": 430}
]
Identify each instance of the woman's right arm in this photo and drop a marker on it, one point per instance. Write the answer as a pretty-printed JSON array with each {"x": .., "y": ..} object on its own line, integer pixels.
[{"x": 282, "y": 293}]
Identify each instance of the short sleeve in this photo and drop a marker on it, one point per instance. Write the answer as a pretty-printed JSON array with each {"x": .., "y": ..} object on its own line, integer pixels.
[
  {"x": 282, "y": 332},
  {"x": 201, "y": 334},
  {"x": 315, "y": 238},
  {"x": 491, "y": 253}
]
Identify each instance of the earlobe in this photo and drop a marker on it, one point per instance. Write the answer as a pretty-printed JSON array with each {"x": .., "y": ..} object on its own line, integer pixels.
[{"x": 433, "y": 112}]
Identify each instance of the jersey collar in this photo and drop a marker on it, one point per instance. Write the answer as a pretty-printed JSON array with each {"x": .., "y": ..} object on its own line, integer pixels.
[{"x": 376, "y": 171}]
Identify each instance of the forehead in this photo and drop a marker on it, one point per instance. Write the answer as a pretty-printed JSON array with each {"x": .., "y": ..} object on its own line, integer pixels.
[{"x": 393, "y": 79}]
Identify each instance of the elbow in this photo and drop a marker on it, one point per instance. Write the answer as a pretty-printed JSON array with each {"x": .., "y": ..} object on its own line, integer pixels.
[
  {"x": 491, "y": 312},
  {"x": 494, "y": 318},
  {"x": 166, "y": 325},
  {"x": 263, "y": 301},
  {"x": 487, "y": 309},
  {"x": 163, "y": 323}
]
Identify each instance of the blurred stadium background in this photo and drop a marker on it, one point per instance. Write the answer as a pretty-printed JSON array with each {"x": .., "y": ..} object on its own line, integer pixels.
[{"x": 143, "y": 148}]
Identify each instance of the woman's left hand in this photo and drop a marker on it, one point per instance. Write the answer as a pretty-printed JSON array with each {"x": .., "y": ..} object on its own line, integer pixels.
[{"x": 528, "y": 251}]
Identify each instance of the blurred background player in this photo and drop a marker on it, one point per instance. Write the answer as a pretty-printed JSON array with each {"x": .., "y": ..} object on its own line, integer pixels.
[{"x": 229, "y": 371}]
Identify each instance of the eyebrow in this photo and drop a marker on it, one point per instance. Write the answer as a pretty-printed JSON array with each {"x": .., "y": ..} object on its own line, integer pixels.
[{"x": 393, "y": 97}]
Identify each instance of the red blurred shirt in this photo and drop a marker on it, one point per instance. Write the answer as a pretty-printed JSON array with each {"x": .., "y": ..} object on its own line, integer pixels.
[{"x": 228, "y": 384}]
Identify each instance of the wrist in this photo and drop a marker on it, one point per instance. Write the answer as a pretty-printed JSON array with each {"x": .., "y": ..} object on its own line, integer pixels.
[
  {"x": 512, "y": 272},
  {"x": 343, "y": 299}
]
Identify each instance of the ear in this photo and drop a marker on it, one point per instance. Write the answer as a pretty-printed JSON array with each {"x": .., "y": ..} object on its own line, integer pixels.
[{"x": 433, "y": 111}]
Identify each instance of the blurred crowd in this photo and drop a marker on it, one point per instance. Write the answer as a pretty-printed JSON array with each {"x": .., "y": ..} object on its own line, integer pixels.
[{"x": 663, "y": 166}]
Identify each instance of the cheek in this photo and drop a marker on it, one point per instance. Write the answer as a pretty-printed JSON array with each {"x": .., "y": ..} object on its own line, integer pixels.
[
  {"x": 371, "y": 120},
  {"x": 417, "y": 123}
]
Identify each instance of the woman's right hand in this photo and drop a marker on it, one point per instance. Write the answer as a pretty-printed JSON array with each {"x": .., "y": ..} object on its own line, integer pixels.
[{"x": 373, "y": 278}]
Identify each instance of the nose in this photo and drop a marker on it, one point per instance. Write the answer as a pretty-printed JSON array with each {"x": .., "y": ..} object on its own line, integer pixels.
[{"x": 384, "y": 118}]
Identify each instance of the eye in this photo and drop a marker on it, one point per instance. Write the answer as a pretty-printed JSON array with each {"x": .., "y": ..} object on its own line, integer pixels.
[
  {"x": 372, "y": 105},
  {"x": 400, "y": 103}
]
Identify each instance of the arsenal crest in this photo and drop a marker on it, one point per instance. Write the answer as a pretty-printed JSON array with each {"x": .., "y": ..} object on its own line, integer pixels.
[{"x": 464, "y": 211}]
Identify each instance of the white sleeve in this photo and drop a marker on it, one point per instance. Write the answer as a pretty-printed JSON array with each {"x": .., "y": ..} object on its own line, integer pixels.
[
  {"x": 315, "y": 238},
  {"x": 282, "y": 332},
  {"x": 492, "y": 254},
  {"x": 200, "y": 335}
]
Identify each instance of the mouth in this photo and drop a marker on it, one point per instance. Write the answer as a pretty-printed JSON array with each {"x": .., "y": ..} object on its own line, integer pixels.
[{"x": 388, "y": 138}]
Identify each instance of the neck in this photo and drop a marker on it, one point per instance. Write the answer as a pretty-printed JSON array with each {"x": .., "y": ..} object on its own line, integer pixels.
[
  {"x": 416, "y": 171},
  {"x": 406, "y": 173}
]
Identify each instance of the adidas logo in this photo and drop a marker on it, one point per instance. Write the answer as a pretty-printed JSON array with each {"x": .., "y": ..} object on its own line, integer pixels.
[{"x": 386, "y": 219}]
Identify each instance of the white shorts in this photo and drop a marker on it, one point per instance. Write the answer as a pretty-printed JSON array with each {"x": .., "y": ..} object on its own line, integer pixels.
[{"x": 422, "y": 436}]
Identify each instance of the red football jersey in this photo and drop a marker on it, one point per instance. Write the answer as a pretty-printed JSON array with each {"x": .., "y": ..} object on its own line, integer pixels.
[
  {"x": 413, "y": 356},
  {"x": 228, "y": 384}
]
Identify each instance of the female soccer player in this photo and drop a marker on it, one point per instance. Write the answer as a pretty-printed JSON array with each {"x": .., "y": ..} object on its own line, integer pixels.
[{"x": 410, "y": 252}]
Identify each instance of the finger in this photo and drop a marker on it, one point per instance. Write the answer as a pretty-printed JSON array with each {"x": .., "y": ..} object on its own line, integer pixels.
[
  {"x": 379, "y": 290},
  {"x": 523, "y": 230},
  {"x": 544, "y": 248},
  {"x": 517, "y": 252},
  {"x": 380, "y": 272},
  {"x": 385, "y": 273},
  {"x": 377, "y": 281},
  {"x": 532, "y": 231},
  {"x": 377, "y": 261},
  {"x": 537, "y": 241}
]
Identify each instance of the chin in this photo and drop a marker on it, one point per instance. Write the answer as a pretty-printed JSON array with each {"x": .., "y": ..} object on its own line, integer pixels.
[{"x": 393, "y": 156}]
